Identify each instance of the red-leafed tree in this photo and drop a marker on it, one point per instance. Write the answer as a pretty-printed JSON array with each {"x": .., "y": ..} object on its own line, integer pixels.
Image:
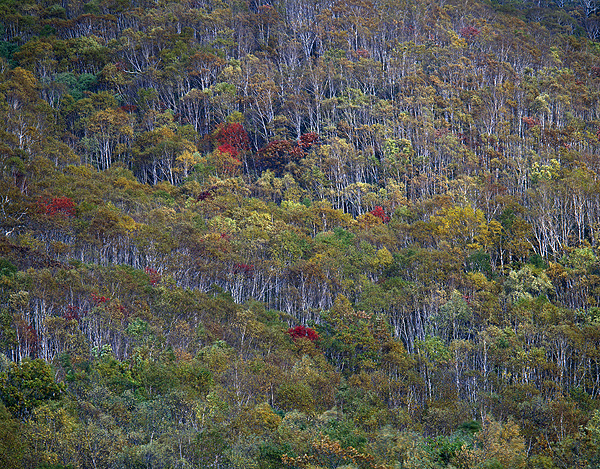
[
  {"x": 97, "y": 300},
  {"x": 59, "y": 206},
  {"x": 380, "y": 213},
  {"x": 279, "y": 153},
  {"x": 531, "y": 122},
  {"x": 246, "y": 269},
  {"x": 227, "y": 148},
  {"x": 308, "y": 140},
  {"x": 225, "y": 160},
  {"x": 302, "y": 332},
  {"x": 72, "y": 312},
  {"x": 154, "y": 275},
  {"x": 232, "y": 139},
  {"x": 469, "y": 32}
]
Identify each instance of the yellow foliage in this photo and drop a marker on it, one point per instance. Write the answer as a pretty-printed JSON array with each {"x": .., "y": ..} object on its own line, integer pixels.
[
  {"x": 186, "y": 161},
  {"x": 128, "y": 224},
  {"x": 501, "y": 441},
  {"x": 53, "y": 432},
  {"x": 367, "y": 221},
  {"x": 269, "y": 419},
  {"x": 459, "y": 226},
  {"x": 383, "y": 258}
]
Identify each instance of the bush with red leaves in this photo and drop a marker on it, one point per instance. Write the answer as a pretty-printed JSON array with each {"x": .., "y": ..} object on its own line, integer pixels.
[
  {"x": 247, "y": 269},
  {"x": 59, "y": 206},
  {"x": 129, "y": 108},
  {"x": 154, "y": 275},
  {"x": 307, "y": 140},
  {"x": 99, "y": 299},
  {"x": 207, "y": 194},
  {"x": 229, "y": 149},
  {"x": 531, "y": 122},
  {"x": 71, "y": 313},
  {"x": 380, "y": 213},
  {"x": 232, "y": 137},
  {"x": 303, "y": 332},
  {"x": 277, "y": 154},
  {"x": 469, "y": 32}
]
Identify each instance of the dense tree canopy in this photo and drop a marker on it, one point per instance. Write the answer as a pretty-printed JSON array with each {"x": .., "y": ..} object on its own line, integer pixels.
[{"x": 304, "y": 234}]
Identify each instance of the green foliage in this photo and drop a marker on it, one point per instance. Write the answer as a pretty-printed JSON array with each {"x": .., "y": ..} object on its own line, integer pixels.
[
  {"x": 351, "y": 339},
  {"x": 479, "y": 261},
  {"x": 297, "y": 397},
  {"x": 7, "y": 269},
  {"x": 211, "y": 445},
  {"x": 270, "y": 454},
  {"x": 76, "y": 85},
  {"x": 28, "y": 385},
  {"x": 7, "y": 51},
  {"x": 430, "y": 209},
  {"x": 53, "y": 466},
  {"x": 12, "y": 446},
  {"x": 526, "y": 283}
]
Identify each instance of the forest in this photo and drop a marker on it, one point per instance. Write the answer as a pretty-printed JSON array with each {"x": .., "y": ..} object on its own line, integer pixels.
[{"x": 269, "y": 234}]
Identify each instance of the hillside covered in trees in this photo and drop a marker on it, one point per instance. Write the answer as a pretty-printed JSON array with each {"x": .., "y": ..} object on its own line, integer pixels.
[{"x": 299, "y": 234}]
